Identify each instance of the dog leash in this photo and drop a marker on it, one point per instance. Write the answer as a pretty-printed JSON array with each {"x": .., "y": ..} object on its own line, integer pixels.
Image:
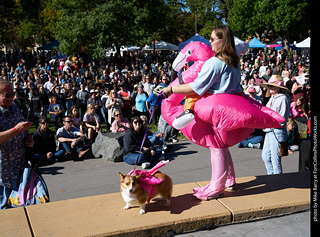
[{"x": 145, "y": 134}]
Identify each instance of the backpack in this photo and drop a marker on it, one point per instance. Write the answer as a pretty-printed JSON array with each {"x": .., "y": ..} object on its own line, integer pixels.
[{"x": 31, "y": 188}]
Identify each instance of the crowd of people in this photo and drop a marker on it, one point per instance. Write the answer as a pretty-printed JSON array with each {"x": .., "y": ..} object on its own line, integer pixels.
[
  {"x": 292, "y": 69},
  {"x": 81, "y": 94}
]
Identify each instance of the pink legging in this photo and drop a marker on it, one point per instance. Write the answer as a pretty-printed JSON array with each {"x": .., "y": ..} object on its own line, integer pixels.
[{"x": 222, "y": 174}]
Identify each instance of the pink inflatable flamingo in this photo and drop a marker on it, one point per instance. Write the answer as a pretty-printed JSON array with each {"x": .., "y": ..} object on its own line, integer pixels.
[{"x": 221, "y": 120}]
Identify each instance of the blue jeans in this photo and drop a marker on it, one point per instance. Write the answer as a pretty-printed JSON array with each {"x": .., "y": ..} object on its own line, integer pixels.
[
  {"x": 253, "y": 140},
  {"x": 131, "y": 158},
  {"x": 270, "y": 151},
  {"x": 156, "y": 140},
  {"x": 43, "y": 160},
  {"x": 4, "y": 196},
  {"x": 67, "y": 147}
]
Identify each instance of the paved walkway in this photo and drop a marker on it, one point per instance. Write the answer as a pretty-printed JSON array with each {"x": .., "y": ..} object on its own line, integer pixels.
[
  {"x": 86, "y": 199},
  {"x": 191, "y": 164}
]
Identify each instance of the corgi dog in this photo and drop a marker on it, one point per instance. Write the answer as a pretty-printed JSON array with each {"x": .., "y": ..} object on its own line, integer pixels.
[{"x": 133, "y": 193}]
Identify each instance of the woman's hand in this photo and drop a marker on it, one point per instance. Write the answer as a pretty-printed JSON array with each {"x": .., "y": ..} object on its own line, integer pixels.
[
  {"x": 167, "y": 91},
  {"x": 23, "y": 126}
]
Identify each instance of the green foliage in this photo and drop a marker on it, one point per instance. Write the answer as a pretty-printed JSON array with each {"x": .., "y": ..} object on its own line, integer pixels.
[
  {"x": 93, "y": 25},
  {"x": 285, "y": 18}
]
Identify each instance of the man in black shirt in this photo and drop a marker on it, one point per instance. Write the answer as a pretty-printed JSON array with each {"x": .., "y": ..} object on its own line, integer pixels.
[{"x": 36, "y": 106}]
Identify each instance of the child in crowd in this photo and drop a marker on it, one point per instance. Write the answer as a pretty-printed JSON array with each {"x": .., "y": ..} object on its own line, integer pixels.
[
  {"x": 75, "y": 116},
  {"x": 293, "y": 136},
  {"x": 56, "y": 111}
]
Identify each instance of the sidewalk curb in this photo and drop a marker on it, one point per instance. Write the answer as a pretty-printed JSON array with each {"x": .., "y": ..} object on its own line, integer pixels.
[{"x": 255, "y": 197}]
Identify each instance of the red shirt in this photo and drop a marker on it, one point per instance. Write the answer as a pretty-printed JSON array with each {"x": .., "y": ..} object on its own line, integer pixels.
[{"x": 126, "y": 103}]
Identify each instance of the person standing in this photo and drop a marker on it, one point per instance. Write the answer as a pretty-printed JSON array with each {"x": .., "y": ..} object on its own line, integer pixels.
[
  {"x": 125, "y": 95},
  {"x": 280, "y": 103},
  {"x": 14, "y": 137},
  {"x": 82, "y": 97},
  {"x": 139, "y": 99},
  {"x": 56, "y": 112},
  {"x": 113, "y": 103},
  {"x": 36, "y": 105},
  {"x": 148, "y": 86},
  {"x": 219, "y": 75}
]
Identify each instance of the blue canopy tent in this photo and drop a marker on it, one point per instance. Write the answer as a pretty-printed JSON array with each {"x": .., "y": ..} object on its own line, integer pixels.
[
  {"x": 196, "y": 37},
  {"x": 255, "y": 43},
  {"x": 50, "y": 46}
]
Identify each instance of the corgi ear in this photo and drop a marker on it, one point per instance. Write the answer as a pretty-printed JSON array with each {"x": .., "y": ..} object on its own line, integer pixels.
[{"x": 121, "y": 175}]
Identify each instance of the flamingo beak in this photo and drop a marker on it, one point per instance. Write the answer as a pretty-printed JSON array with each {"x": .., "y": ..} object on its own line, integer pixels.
[{"x": 179, "y": 62}]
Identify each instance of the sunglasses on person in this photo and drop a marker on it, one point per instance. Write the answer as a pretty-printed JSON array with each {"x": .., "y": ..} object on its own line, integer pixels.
[
  {"x": 44, "y": 123},
  {"x": 136, "y": 122},
  {"x": 116, "y": 115},
  {"x": 68, "y": 121},
  {"x": 213, "y": 39}
]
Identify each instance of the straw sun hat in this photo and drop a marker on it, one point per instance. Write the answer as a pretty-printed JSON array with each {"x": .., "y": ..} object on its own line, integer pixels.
[{"x": 276, "y": 81}]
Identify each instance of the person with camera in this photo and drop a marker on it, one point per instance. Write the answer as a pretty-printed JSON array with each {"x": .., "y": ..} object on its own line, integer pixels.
[
  {"x": 120, "y": 124},
  {"x": 14, "y": 138}
]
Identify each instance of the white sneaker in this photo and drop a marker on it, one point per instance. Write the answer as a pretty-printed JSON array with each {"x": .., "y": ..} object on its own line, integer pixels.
[
  {"x": 145, "y": 165},
  {"x": 255, "y": 146}
]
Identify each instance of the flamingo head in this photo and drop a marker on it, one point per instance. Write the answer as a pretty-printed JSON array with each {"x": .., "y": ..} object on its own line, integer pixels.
[{"x": 193, "y": 51}]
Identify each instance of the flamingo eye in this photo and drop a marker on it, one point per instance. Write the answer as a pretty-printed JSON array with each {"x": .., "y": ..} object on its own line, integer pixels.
[{"x": 189, "y": 52}]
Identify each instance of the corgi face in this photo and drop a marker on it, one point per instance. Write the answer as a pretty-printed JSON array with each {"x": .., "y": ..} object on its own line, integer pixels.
[{"x": 129, "y": 183}]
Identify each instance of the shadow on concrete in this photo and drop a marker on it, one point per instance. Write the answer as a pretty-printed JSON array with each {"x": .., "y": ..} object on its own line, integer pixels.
[
  {"x": 271, "y": 183},
  {"x": 178, "y": 205},
  {"x": 177, "y": 153},
  {"x": 51, "y": 170}
]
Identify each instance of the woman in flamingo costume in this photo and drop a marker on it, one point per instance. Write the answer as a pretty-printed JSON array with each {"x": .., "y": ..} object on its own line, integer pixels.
[{"x": 223, "y": 115}]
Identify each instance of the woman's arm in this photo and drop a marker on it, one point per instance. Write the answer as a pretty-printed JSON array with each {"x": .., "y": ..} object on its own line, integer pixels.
[
  {"x": 10, "y": 133},
  {"x": 90, "y": 126},
  {"x": 109, "y": 103},
  {"x": 184, "y": 89}
]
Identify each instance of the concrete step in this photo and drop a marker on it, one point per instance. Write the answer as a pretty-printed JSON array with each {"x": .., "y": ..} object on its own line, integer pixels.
[{"x": 254, "y": 197}]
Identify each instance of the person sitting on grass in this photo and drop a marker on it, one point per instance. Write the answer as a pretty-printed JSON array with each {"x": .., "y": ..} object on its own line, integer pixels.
[
  {"x": 120, "y": 124},
  {"x": 254, "y": 140},
  {"x": 92, "y": 123},
  {"x": 132, "y": 141},
  {"x": 71, "y": 139},
  {"x": 293, "y": 136},
  {"x": 76, "y": 118},
  {"x": 156, "y": 139},
  {"x": 45, "y": 145}
]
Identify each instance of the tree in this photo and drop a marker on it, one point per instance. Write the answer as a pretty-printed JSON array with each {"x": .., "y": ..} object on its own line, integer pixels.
[
  {"x": 92, "y": 26},
  {"x": 25, "y": 23},
  {"x": 289, "y": 19},
  {"x": 6, "y": 21}
]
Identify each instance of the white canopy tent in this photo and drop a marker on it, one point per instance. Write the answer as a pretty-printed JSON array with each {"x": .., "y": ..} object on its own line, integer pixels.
[
  {"x": 241, "y": 46},
  {"x": 161, "y": 45},
  {"x": 304, "y": 44}
]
